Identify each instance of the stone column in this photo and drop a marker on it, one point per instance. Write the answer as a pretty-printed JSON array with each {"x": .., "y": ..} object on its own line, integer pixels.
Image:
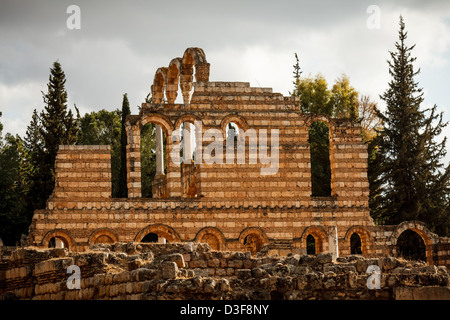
[
  {"x": 159, "y": 151},
  {"x": 333, "y": 242},
  {"x": 187, "y": 143},
  {"x": 134, "y": 161}
]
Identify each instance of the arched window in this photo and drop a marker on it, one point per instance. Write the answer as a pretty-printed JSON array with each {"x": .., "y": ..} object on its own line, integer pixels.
[
  {"x": 232, "y": 134},
  {"x": 231, "y": 143},
  {"x": 57, "y": 242},
  {"x": 411, "y": 246},
  {"x": 153, "y": 164},
  {"x": 104, "y": 239},
  {"x": 355, "y": 244},
  {"x": 153, "y": 238},
  {"x": 310, "y": 244},
  {"x": 319, "y": 143},
  {"x": 253, "y": 243},
  {"x": 211, "y": 240}
]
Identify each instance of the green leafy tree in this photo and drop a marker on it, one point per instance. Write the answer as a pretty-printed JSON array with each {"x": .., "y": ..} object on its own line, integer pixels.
[
  {"x": 314, "y": 95},
  {"x": 368, "y": 117},
  {"x": 123, "y": 189},
  {"x": 13, "y": 214},
  {"x": 415, "y": 183},
  {"x": 344, "y": 99},
  {"x": 148, "y": 158}
]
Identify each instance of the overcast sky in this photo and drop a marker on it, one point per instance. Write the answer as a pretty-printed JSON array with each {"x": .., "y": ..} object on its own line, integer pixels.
[{"x": 121, "y": 44}]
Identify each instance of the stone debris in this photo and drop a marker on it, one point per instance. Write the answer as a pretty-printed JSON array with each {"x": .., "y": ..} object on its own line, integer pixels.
[{"x": 178, "y": 271}]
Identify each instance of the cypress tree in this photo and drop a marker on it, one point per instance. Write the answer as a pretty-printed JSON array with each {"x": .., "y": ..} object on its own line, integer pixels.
[
  {"x": 59, "y": 126},
  {"x": 55, "y": 126},
  {"x": 123, "y": 189},
  {"x": 413, "y": 179}
]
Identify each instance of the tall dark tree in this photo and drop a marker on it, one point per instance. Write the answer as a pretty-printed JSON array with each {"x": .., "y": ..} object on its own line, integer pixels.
[
  {"x": 59, "y": 126},
  {"x": 123, "y": 189},
  {"x": 34, "y": 168},
  {"x": 413, "y": 179},
  {"x": 12, "y": 222},
  {"x": 55, "y": 126}
]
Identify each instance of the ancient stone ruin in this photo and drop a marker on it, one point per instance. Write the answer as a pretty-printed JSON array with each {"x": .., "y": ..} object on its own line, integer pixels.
[
  {"x": 248, "y": 192},
  {"x": 174, "y": 271},
  {"x": 225, "y": 199}
]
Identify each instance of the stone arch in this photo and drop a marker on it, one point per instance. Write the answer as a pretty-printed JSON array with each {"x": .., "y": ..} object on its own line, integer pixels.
[
  {"x": 159, "y": 84},
  {"x": 429, "y": 238},
  {"x": 237, "y": 150},
  {"x": 156, "y": 186},
  {"x": 253, "y": 239},
  {"x": 323, "y": 118},
  {"x": 173, "y": 79},
  {"x": 102, "y": 235},
  {"x": 159, "y": 119},
  {"x": 213, "y": 236},
  {"x": 161, "y": 230},
  {"x": 187, "y": 117},
  {"x": 319, "y": 234},
  {"x": 60, "y": 234},
  {"x": 240, "y": 121},
  {"x": 364, "y": 235},
  {"x": 193, "y": 57}
]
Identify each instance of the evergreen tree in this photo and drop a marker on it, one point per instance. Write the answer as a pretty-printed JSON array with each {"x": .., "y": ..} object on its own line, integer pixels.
[
  {"x": 123, "y": 189},
  {"x": 59, "y": 126},
  {"x": 55, "y": 126},
  {"x": 13, "y": 214},
  {"x": 33, "y": 164},
  {"x": 413, "y": 179}
]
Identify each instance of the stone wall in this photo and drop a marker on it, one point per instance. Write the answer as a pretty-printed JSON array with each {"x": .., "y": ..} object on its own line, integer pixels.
[
  {"x": 193, "y": 271},
  {"x": 82, "y": 172}
]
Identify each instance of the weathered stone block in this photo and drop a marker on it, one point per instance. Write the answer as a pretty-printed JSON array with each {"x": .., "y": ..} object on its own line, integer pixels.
[{"x": 169, "y": 270}]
